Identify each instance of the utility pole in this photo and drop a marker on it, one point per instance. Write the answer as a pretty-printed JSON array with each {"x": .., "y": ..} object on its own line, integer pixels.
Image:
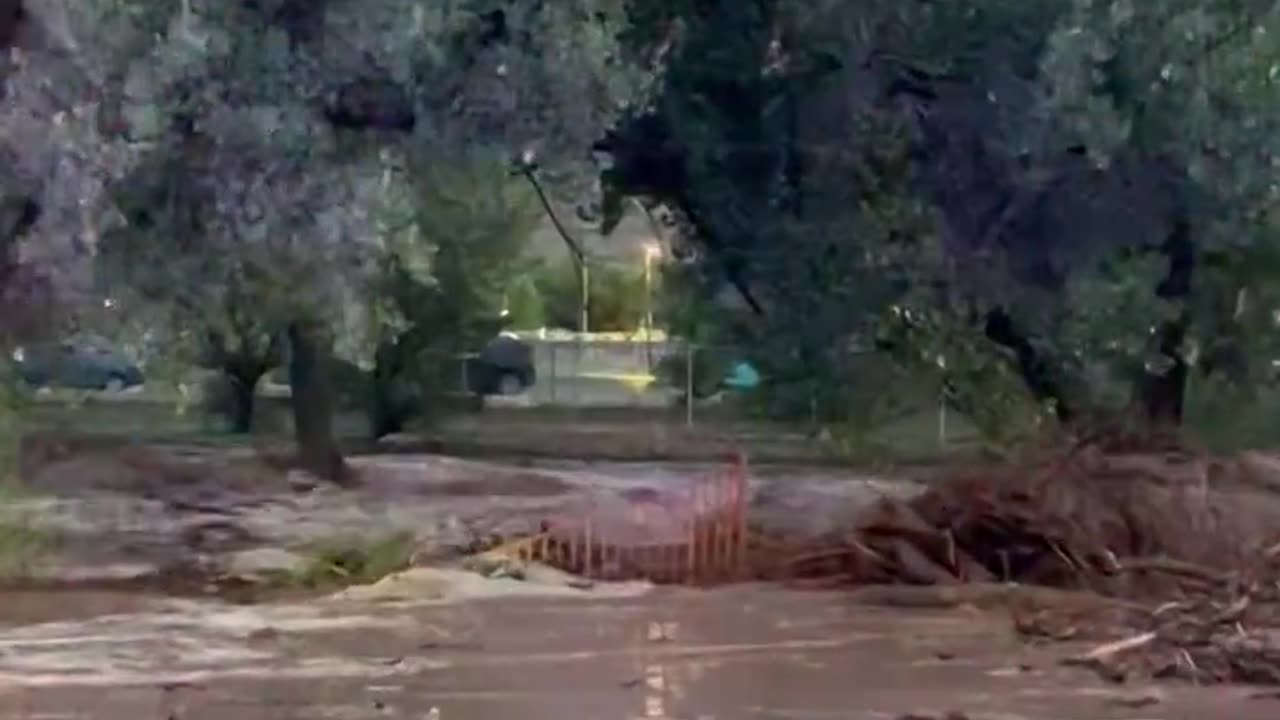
[
  {"x": 651, "y": 252},
  {"x": 527, "y": 167},
  {"x": 584, "y": 322}
]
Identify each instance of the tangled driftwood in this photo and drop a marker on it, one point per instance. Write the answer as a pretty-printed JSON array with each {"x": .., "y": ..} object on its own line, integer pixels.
[
  {"x": 1166, "y": 557},
  {"x": 1178, "y": 550}
]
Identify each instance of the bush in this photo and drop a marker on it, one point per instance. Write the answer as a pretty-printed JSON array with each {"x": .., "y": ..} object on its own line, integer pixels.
[
  {"x": 339, "y": 562},
  {"x": 351, "y": 385},
  {"x": 617, "y": 297},
  {"x": 709, "y": 371},
  {"x": 1226, "y": 417},
  {"x": 525, "y": 306},
  {"x": 13, "y": 401},
  {"x": 217, "y": 400}
]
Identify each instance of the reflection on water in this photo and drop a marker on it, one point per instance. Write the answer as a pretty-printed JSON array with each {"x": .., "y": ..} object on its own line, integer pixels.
[
  {"x": 655, "y": 673},
  {"x": 726, "y": 654}
]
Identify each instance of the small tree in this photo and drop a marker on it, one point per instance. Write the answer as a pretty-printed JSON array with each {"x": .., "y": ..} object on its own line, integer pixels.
[
  {"x": 440, "y": 292},
  {"x": 526, "y": 308},
  {"x": 247, "y": 215}
]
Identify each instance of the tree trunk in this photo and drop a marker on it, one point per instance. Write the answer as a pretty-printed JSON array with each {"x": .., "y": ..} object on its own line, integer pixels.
[
  {"x": 312, "y": 400},
  {"x": 242, "y": 370},
  {"x": 12, "y": 17},
  {"x": 1042, "y": 380},
  {"x": 1161, "y": 392},
  {"x": 244, "y": 393},
  {"x": 386, "y": 416}
]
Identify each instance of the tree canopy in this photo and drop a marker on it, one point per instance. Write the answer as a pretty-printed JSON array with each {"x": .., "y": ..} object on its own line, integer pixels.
[
  {"x": 1069, "y": 179},
  {"x": 1069, "y": 199}
]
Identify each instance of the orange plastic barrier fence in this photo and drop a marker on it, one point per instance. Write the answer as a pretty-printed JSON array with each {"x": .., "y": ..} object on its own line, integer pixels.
[{"x": 691, "y": 535}]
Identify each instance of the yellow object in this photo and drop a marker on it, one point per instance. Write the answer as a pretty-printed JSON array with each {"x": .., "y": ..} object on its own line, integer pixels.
[{"x": 635, "y": 382}]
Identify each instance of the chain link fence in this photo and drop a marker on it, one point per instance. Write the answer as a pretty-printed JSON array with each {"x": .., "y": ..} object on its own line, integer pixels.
[
  {"x": 615, "y": 378},
  {"x": 699, "y": 384}
]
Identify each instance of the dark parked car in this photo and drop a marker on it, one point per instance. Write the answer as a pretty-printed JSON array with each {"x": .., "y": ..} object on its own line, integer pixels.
[
  {"x": 78, "y": 366},
  {"x": 503, "y": 367}
]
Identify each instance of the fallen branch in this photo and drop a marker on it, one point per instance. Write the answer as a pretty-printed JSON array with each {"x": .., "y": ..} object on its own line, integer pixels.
[
  {"x": 1170, "y": 566},
  {"x": 983, "y": 595},
  {"x": 1105, "y": 653}
]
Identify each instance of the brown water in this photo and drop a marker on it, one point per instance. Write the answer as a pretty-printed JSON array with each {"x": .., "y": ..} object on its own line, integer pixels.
[
  {"x": 746, "y": 652},
  {"x": 743, "y": 652}
]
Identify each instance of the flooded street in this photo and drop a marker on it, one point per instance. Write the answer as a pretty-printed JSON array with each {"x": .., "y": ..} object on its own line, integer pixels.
[
  {"x": 456, "y": 645},
  {"x": 744, "y": 652}
]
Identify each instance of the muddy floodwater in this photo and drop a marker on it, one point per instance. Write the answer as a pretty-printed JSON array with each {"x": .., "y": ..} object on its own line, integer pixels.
[
  {"x": 727, "y": 654},
  {"x": 465, "y": 647}
]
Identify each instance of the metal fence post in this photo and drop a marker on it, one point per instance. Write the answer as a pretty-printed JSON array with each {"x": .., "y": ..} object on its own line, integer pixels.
[
  {"x": 578, "y": 351},
  {"x": 942, "y": 421},
  {"x": 942, "y": 406},
  {"x": 551, "y": 348},
  {"x": 688, "y": 385}
]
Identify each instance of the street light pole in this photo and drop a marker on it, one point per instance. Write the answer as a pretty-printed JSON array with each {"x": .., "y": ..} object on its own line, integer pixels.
[
  {"x": 526, "y": 166},
  {"x": 648, "y": 289},
  {"x": 584, "y": 321},
  {"x": 650, "y": 252}
]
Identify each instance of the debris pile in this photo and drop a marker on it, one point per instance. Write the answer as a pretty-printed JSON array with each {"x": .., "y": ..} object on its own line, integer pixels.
[
  {"x": 1122, "y": 525},
  {"x": 1227, "y": 636},
  {"x": 1183, "y": 544},
  {"x": 1167, "y": 557}
]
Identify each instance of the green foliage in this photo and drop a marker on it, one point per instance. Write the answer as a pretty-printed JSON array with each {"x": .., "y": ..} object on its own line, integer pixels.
[
  {"x": 710, "y": 368},
  {"x": 682, "y": 304},
  {"x": 1106, "y": 328},
  {"x": 1091, "y": 170},
  {"x": 1227, "y": 417},
  {"x": 444, "y": 279},
  {"x": 22, "y": 544},
  {"x": 952, "y": 365},
  {"x": 478, "y": 218},
  {"x": 341, "y": 562},
  {"x": 559, "y": 284},
  {"x": 525, "y": 306},
  {"x": 617, "y": 296},
  {"x": 14, "y": 399},
  {"x": 860, "y": 186}
]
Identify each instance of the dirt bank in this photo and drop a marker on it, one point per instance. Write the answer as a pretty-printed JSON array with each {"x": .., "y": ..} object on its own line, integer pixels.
[{"x": 169, "y": 518}]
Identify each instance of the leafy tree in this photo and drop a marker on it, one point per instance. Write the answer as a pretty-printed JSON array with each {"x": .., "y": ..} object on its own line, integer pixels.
[
  {"x": 56, "y": 161},
  {"x": 244, "y": 215},
  {"x": 1006, "y": 168},
  {"x": 490, "y": 82},
  {"x": 526, "y": 307},
  {"x": 441, "y": 290}
]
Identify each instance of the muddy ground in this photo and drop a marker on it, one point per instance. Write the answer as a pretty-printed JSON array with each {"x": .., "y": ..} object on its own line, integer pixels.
[
  {"x": 135, "y": 513},
  {"x": 128, "y": 616},
  {"x": 746, "y": 652}
]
